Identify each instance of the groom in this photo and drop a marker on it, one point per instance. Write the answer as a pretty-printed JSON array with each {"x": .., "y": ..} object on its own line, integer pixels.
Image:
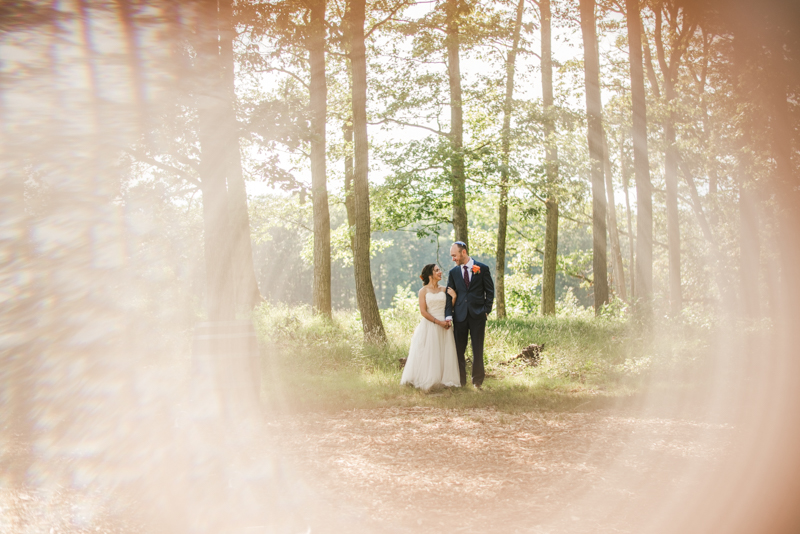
[{"x": 474, "y": 287}]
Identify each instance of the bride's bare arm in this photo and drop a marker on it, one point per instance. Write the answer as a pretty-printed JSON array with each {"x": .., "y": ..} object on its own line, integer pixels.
[
  {"x": 452, "y": 293},
  {"x": 423, "y": 309}
]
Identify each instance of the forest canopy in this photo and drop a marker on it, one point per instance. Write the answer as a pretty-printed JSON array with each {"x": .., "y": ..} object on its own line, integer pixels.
[{"x": 320, "y": 152}]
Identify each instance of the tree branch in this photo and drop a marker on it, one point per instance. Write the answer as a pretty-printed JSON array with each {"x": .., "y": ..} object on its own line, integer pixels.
[
  {"x": 648, "y": 63},
  {"x": 290, "y": 73},
  {"x": 402, "y": 123},
  {"x": 163, "y": 166},
  {"x": 387, "y": 19}
]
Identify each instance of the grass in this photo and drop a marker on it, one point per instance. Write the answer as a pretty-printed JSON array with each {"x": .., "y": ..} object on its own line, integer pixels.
[{"x": 312, "y": 363}]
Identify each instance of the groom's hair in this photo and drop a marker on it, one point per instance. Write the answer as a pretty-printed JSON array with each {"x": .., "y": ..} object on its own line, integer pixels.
[
  {"x": 461, "y": 246},
  {"x": 427, "y": 271}
]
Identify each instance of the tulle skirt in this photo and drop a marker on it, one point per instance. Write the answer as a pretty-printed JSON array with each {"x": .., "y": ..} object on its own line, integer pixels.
[{"x": 432, "y": 358}]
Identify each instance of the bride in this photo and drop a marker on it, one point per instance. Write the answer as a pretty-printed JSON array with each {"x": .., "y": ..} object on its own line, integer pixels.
[{"x": 432, "y": 356}]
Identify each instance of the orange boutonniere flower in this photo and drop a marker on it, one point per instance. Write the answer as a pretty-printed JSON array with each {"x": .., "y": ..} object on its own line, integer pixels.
[{"x": 475, "y": 269}]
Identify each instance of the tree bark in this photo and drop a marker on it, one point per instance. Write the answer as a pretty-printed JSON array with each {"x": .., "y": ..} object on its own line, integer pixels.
[
  {"x": 349, "y": 195},
  {"x": 318, "y": 96},
  {"x": 365, "y": 291},
  {"x": 594, "y": 114},
  {"x": 218, "y": 246},
  {"x": 641, "y": 165},
  {"x": 749, "y": 246},
  {"x": 19, "y": 354},
  {"x": 721, "y": 277},
  {"x": 134, "y": 60},
  {"x": 246, "y": 290},
  {"x": 613, "y": 231},
  {"x": 787, "y": 183},
  {"x": 457, "y": 173},
  {"x": 625, "y": 184},
  {"x": 669, "y": 71},
  {"x": 502, "y": 225},
  {"x": 551, "y": 166}
]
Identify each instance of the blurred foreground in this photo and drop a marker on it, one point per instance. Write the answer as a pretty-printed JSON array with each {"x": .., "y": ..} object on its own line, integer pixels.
[
  {"x": 104, "y": 429},
  {"x": 612, "y": 432}
]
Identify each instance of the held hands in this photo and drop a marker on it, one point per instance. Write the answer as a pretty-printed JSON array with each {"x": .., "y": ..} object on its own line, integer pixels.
[{"x": 444, "y": 324}]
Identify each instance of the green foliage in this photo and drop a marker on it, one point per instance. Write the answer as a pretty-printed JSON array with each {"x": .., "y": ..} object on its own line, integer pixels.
[{"x": 318, "y": 364}]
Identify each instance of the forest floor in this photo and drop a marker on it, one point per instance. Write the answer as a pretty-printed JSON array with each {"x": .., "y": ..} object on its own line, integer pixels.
[
  {"x": 607, "y": 435},
  {"x": 424, "y": 469},
  {"x": 610, "y": 433}
]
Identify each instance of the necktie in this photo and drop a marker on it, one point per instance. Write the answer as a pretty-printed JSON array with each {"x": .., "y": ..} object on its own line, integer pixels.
[{"x": 466, "y": 277}]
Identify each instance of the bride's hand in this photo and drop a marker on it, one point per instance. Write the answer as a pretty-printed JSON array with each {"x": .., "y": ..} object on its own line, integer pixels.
[{"x": 452, "y": 293}]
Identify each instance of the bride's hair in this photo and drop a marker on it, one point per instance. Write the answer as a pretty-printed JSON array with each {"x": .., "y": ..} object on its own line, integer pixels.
[{"x": 427, "y": 271}]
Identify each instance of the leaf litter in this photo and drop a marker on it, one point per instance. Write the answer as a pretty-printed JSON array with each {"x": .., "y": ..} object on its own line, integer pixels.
[{"x": 424, "y": 469}]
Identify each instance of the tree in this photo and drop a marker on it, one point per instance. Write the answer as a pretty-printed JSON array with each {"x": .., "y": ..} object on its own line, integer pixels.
[
  {"x": 613, "y": 231},
  {"x": 245, "y": 286},
  {"x": 594, "y": 115},
  {"x": 641, "y": 164},
  {"x": 298, "y": 30},
  {"x": 551, "y": 166},
  {"x": 365, "y": 291},
  {"x": 318, "y": 90},
  {"x": 453, "y": 10},
  {"x": 218, "y": 247},
  {"x": 669, "y": 69},
  {"x": 744, "y": 61},
  {"x": 623, "y": 165},
  {"x": 502, "y": 225}
]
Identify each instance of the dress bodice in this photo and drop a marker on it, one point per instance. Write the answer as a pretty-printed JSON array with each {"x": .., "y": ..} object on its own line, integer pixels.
[{"x": 436, "y": 303}]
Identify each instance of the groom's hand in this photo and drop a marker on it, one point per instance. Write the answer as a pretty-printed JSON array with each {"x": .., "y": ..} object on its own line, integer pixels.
[{"x": 448, "y": 324}]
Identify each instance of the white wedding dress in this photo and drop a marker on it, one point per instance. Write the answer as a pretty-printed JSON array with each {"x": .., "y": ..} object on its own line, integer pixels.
[{"x": 432, "y": 357}]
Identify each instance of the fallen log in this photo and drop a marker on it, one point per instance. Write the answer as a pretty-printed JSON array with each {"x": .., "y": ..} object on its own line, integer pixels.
[{"x": 531, "y": 355}]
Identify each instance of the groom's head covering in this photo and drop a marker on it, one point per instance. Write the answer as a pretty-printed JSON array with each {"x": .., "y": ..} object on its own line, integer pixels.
[{"x": 461, "y": 246}]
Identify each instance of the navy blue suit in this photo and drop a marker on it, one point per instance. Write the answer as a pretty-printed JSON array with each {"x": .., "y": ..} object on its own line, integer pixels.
[{"x": 469, "y": 315}]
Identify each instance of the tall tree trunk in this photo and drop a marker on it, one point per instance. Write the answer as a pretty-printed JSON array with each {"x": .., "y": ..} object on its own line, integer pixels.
[
  {"x": 502, "y": 225},
  {"x": 92, "y": 72},
  {"x": 749, "y": 246},
  {"x": 365, "y": 291},
  {"x": 594, "y": 114},
  {"x": 246, "y": 290},
  {"x": 349, "y": 195},
  {"x": 669, "y": 71},
  {"x": 551, "y": 166},
  {"x": 625, "y": 184},
  {"x": 19, "y": 354},
  {"x": 710, "y": 163},
  {"x": 721, "y": 277},
  {"x": 787, "y": 183},
  {"x": 216, "y": 216},
  {"x": 457, "y": 173},
  {"x": 641, "y": 164},
  {"x": 673, "y": 216},
  {"x": 134, "y": 59},
  {"x": 318, "y": 96},
  {"x": 613, "y": 231}
]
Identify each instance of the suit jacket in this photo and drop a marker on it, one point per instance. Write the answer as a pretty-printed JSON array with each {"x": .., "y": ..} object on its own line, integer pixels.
[{"x": 476, "y": 301}]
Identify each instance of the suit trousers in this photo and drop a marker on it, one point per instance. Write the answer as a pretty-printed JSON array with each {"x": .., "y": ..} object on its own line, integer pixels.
[{"x": 475, "y": 328}]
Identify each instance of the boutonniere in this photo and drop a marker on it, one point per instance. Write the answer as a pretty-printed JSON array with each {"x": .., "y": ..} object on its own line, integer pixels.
[{"x": 475, "y": 269}]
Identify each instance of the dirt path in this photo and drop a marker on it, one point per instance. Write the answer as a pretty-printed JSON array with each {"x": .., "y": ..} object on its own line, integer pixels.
[{"x": 435, "y": 470}]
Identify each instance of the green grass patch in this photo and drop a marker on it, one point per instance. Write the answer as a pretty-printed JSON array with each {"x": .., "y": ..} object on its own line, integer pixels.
[{"x": 312, "y": 363}]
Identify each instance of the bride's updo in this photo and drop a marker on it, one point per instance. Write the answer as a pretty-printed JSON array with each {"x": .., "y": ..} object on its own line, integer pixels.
[{"x": 427, "y": 272}]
